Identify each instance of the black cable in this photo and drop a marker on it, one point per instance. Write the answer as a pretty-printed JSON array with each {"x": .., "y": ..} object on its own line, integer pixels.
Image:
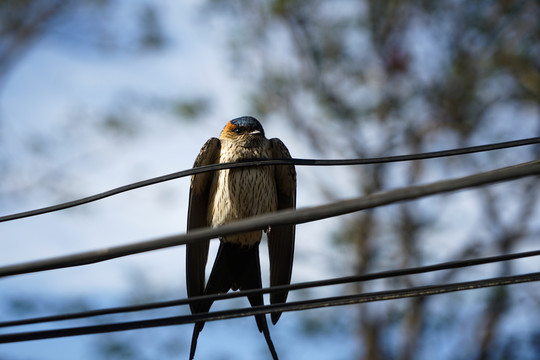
[
  {"x": 264, "y": 309},
  {"x": 299, "y": 162},
  {"x": 284, "y": 217},
  {"x": 302, "y": 305},
  {"x": 297, "y": 286}
]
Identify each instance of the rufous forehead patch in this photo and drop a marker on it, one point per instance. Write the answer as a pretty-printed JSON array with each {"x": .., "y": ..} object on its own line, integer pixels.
[
  {"x": 228, "y": 130},
  {"x": 229, "y": 126}
]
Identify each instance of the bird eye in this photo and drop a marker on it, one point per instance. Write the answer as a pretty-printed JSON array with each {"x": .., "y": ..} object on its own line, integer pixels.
[{"x": 238, "y": 130}]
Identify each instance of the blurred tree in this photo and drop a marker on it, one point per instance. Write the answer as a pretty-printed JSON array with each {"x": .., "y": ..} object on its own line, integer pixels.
[
  {"x": 388, "y": 77},
  {"x": 22, "y": 25},
  {"x": 92, "y": 25},
  {"x": 368, "y": 78},
  {"x": 84, "y": 24}
]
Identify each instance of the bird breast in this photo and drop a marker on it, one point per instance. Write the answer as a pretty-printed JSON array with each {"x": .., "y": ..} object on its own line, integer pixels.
[{"x": 242, "y": 192}]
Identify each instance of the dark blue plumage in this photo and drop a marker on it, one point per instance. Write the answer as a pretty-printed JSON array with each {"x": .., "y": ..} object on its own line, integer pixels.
[{"x": 249, "y": 122}]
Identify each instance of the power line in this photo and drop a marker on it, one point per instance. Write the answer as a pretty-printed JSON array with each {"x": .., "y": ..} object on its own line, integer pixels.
[
  {"x": 264, "y": 309},
  {"x": 294, "y": 161},
  {"x": 261, "y": 222},
  {"x": 280, "y": 218},
  {"x": 297, "y": 286}
]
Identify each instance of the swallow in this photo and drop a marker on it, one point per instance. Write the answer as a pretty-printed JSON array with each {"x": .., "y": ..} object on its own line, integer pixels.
[{"x": 224, "y": 196}]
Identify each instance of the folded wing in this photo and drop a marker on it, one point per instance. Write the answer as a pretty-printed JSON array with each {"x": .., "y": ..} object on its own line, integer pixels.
[
  {"x": 197, "y": 253},
  {"x": 281, "y": 238}
]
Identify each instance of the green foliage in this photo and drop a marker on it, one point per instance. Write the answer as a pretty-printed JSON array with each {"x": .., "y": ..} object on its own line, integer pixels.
[
  {"x": 118, "y": 125},
  {"x": 190, "y": 109},
  {"x": 152, "y": 36}
]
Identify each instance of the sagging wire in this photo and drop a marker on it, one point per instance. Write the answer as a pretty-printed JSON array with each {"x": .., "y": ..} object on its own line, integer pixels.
[
  {"x": 283, "y": 217},
  {"x": 265, "y": 309},
  {"x": 292, "y": 287},
  {"x": 286, "y": 217},
  {"x": 299, "y": 162}
]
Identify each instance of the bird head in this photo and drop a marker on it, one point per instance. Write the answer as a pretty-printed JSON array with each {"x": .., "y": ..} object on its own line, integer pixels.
[{"x": 245, "y": 131}]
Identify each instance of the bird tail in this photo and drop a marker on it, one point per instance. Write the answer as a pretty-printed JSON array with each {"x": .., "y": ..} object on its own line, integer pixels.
[
  {"x": 239, "y": 267},
  {"x": 251, "y": 279},
  {"x": 220, "y": 281},
  {"x": 196, "y": 331}
]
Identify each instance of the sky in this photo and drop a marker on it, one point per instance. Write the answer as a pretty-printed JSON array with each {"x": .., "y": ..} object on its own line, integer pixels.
[
  {"x": 59, "y": 79},
  {"x": 58, "y": 94}
]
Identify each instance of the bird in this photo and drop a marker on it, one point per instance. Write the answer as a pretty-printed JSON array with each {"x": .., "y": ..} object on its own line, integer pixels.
[{"x": 224, "y": 196}]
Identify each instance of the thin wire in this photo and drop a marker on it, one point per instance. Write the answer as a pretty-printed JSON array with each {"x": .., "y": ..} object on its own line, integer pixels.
[
  {"x": 294, "y": 161},
  {"x": 284, "y": 217},
  {"x": 296, "y": 286},
  {"x": 264, "y": 309}
]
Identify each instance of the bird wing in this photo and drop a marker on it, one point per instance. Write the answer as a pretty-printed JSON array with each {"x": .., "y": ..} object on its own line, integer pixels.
[
  {"x": 281, "y": 238},
  {"x": 197, "y": 252}
]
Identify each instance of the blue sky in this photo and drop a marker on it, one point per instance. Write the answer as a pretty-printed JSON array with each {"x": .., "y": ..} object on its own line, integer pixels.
[
  {"x": 64, "y": 82},
  {"x": 59, "y": 80}
]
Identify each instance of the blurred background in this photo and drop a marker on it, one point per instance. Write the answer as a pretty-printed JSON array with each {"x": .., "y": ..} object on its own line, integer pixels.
[{"x": 95, "y": 94}]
